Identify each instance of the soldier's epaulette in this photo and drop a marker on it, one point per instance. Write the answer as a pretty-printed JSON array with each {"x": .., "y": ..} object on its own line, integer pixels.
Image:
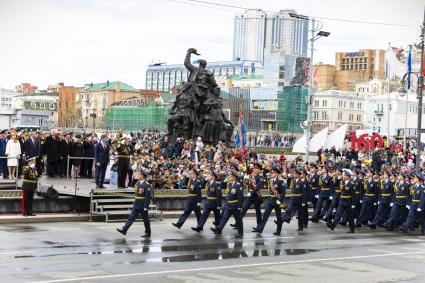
[{"x": 26, "y": 167}]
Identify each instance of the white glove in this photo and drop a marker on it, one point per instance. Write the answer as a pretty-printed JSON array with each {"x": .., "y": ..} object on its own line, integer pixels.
[
  {"x": 198, "y": 204},
  {"x": 361, "y": 201},
  {"x": 278, "y": 202},
  {"x": 419, "y": 209},
  {"x": 374, "y": 204},
  {"x": 407, "y": 206},
  {"x": 391, "y": 204},
  {"x": 303, "y": 204},
  {"x": 330, "y": 197},
  {"x": 145, "y": 209},
  {"x": 218, "y": 208},
  {"x": 353, "y": 206},
  {"x": 379, "y": 202},
  {"x": 249, "y": 194},
  {"x": 316, "y": 196}
]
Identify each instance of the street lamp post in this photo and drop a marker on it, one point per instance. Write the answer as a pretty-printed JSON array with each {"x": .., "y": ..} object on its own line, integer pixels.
[
  {"x": 93, "y": 115},
  {"x": 316, "y": 26}
]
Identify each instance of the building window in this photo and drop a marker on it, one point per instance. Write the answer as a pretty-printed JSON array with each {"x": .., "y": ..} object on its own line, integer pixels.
[
  {"x": 340, "y": 103},
  {"x": 316, "y": 103},
  {"x": 324, "y": 103},
  {"x": 324, "y": 115},
  {"x": 339, "y": 115},
  {"x": 359, "y": 105},
  {"x": 359, "y": 118},
  {"x": 351, "y": 105},
  {"x": 351, "y": 117},
  {"x": 315, "y": 115},
  {"x": 345, "y": 104}
]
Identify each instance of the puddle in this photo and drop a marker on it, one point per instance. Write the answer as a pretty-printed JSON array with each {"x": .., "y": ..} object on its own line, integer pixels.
[
  {"x": 22, "y": 229},
  {"x": 231, "y": 255}
]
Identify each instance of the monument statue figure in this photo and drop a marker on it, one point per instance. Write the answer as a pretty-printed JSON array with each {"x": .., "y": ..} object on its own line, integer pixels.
[{"x": 197, "y": 110}]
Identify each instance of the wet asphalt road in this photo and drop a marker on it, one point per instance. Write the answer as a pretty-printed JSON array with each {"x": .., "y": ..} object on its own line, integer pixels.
[{"x": 94, "y": 252}]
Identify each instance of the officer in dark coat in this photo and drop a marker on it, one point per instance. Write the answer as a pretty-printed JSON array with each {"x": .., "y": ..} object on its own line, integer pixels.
[
  {"x": 29, "y": 185},
  {"x": 51, "y": 148},
  {"x": 322, "y": 196},
  {"x": 233, "y": 205},
  {"x": 277, "y": 190},
  {"x": 370, "y": 198},
  {"x": 142, "y": 199},
  {"x": 212, "y": 203},
  {"x": 194, "y": 200},
  {"x": 398, "y": 204},
  {"x": 123, "y": 162}
]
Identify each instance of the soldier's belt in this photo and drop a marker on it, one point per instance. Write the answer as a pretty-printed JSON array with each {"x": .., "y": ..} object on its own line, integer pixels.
[
  {"x": 416, "y": 200},
  {"x": 139, "y": 197},
  {"x": 357, "y": 193},
  {"x": 401, "y": 197},
  {"x": 324, "y": 189},
  {"x": 297, "y": 195},
  {"x": 211, "y": 198},
  {"x": 386, "y": 195},
  {"x": 193, "y": 195},
  {"x": 123, "y": 156},
  {"x": 232, "y": 201},
  {"x": 30, "y": 181},
  {"x": 345, "y": 196},
  {"x": 313, "y": 188},
  {"x": 273, "y": 196},
  {"x": 370, "y": 195},
  {"x": 338, "y": 191}
]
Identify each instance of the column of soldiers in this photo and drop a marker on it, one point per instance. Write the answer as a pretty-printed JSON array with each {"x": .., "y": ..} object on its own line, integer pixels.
[{"x": 355, "y": 197}]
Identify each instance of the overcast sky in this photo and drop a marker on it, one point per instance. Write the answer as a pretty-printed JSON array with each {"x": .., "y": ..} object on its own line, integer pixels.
[{"x": 48, "y": 41}]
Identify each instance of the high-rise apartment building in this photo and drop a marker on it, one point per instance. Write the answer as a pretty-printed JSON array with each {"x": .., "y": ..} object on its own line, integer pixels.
[{"x": 255, "y": 30}]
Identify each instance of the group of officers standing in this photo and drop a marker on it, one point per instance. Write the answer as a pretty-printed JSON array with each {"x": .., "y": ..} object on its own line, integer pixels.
[{"x": 357, "y": 197}]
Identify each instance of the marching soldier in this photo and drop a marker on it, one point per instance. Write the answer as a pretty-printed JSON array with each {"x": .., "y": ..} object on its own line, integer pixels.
[
  {"x": 277, "y": 191},
  {"x": 233, "y": 205},
  {"x": 322, "y": 196},
  {"x": 142, "y": 199},
  {"x": 298, "y": 199},
  {"x": 312, "y": 188},
  {"x": 416, "y": 206},
  {"x": 345, "y": 204},
  {"x": 123, "y": 162},
  {"x": 398, "y": 204},
  {"x": 29, "y": 185},
  {"x": 194, "y": 200},
  {"x": 254, "y": 194},
  {"x": 212, "y": 203},
  {"x": 385, "y": 198},
  {"x": 370, "y": 198},
  {"x": 335, "y": 194}
]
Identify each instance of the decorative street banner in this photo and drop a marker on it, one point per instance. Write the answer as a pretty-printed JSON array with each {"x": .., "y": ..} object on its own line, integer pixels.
[{"x": 364, "y": 142}]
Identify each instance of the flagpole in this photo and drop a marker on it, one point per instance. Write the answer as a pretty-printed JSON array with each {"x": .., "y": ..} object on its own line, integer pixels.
[{"x": 389, "y": 97}]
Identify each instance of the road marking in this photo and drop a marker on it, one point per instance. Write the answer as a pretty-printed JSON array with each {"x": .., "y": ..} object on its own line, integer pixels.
[{"x": 227, "y": 267}]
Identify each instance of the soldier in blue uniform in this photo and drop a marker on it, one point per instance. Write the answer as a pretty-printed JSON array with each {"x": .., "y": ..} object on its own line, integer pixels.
[
  {"x": 277, "y": 191},
  {"x": 212, "y": 202},
  {"x": 345, "y": 204},
  {"x": 29, "y": 186},
  {"x": 254, "y": 195},
  {"x": 357, "y": 180},
  {"x": 298, "y": 199},
  {"x": 194, "y": 200},
  {"x": 385, "y": 198},
  {"x": 398, "y": 204},
  {"x": 370, "y": 198},
  {"x": 416, "y": 206},
  {"x": 232, "y": 206},
  {"x": 322, "y": 195},
  {"x": 312, "y": 189},
  {"x": 142, "y": 199},
  {"x": 334, "y": 194}
]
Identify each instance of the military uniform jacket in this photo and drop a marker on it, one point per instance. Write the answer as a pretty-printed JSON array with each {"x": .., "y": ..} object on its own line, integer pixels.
[
  {"x": 335, "y": 186},
  {"x": 123, "y": 156},
  {"x": 298, "y": 190},
  {"x": 401, "y": 193},
  {"x": 259, "y": 184},
  {"x": 371, "y": 190},
  {"x": 194, "y": 190},
  {"x": 313, "y": 182},
  {"x": 30, "y": 179},
  {"x": 347, "y": 193},
  {"x": 276, "y": 189},
  {"x": 234, "y": 194},
  {"x": 358, "y": 189},
  {"x": 325, "y": 186},
  {"x": 386, "y": 192},
  {"x": 418, "y": 196},
  {"x": 213, "y": 192},
  {"x": 142, "y": 196}
]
